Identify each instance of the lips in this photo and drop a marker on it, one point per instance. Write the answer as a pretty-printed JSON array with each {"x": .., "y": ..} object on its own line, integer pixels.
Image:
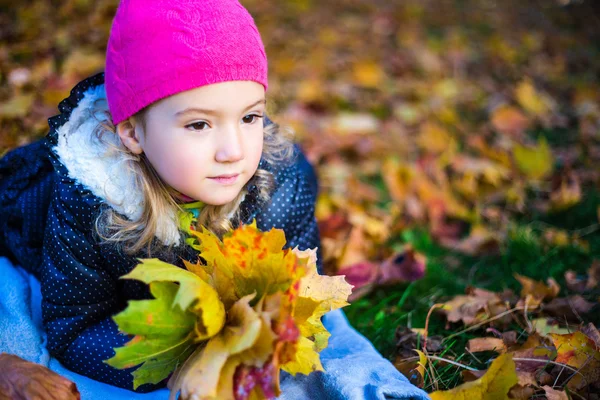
[
  {"x": 226, "y": 179},
  {"x": 224, "y": 176}
]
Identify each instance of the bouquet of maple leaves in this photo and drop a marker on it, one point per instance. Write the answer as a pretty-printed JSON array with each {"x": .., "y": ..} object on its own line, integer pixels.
[{"x": 225, "y": 328}]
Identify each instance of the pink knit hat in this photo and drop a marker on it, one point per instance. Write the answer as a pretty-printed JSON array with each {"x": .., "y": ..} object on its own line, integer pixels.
[{"x": 159, "y": 48}]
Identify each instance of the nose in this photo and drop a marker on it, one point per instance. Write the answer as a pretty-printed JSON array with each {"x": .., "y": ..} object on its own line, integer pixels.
[{"x": 230, "y": 145}]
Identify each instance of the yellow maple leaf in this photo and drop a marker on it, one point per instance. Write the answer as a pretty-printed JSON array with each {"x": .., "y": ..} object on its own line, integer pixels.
[
  {"x": 317, "y": 295},
  {"x": 306, "y": 359},
  {"x": 248, "y": 260},
  {"x": 581, "y": 352},
  {"x": 307, "y": 315},
  {"x": 493, "y": 385}
]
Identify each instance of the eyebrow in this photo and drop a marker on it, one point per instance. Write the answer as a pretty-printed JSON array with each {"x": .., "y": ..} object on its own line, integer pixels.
[{"x": 191, "y": 110}]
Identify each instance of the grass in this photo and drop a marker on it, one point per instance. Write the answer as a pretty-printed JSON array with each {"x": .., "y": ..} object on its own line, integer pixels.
[{"x": 379, "y": 314}]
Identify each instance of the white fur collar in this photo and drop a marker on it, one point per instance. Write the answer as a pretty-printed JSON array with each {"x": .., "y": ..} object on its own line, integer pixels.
[{"x": 104, "y": 172}]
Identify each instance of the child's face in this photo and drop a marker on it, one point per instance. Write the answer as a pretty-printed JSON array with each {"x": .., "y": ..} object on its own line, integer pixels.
[{"x": 207, "y": 154}]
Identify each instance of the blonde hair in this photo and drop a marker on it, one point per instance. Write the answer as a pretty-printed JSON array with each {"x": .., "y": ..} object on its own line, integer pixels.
[{"x": 131, "y": 236}]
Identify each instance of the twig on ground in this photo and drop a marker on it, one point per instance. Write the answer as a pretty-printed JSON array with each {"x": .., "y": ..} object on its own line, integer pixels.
[
  {"x": 483, "y": 322},
  {"x": 453, "y": 363},
  {"x": 433, "y": 307},
  {"x": 473, "y": 355},
  {"x": 436, "y": 358}
]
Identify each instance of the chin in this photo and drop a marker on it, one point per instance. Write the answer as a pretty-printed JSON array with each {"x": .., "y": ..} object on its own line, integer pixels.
[{"x": 219, "y": 200}]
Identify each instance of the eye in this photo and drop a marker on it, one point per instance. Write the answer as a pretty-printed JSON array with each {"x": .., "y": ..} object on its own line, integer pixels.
[
  {"x": 251, "y": 118},
  {"x": 198, "y": 124}
]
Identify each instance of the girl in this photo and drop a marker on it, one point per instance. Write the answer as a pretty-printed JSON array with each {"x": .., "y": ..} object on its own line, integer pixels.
[{"x": 173, "y": 135}]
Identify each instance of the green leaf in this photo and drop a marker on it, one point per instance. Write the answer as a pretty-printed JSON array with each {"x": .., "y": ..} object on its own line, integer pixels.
[
  {"x": 193, "y": 291},
  {"x": 159, "y": 357},
  {"x": 156, "y": 317},
  {"x": 164, "y": 335}
]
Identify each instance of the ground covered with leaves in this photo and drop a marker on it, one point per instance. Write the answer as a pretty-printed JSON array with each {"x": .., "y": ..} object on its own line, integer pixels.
[{"x": 457, "y": 145}]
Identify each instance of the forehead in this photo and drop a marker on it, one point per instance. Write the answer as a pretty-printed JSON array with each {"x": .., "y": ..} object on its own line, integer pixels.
[{"x": 224, "y": 96}]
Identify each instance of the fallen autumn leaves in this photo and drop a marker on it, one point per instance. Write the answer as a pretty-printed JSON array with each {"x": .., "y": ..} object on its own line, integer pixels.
[{"x": 545, "y": 359}]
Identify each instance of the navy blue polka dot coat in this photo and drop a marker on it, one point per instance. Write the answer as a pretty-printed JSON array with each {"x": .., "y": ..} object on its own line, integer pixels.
[{"x": 51, "y": 192}]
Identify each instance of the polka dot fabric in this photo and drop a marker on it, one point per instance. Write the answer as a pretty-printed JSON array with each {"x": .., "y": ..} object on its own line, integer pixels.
[
  {"x": 24, "y": 203},
  {"x": 79, "y": 274}
]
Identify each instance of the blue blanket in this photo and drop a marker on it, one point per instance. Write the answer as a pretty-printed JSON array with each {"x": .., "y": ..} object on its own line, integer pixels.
[{"x": 354, "y": 368}]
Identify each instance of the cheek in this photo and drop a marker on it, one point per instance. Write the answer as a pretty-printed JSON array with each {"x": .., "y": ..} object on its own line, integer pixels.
[
  {"x": 172, "y": 160},
  {"x": 255, "y": 148}
]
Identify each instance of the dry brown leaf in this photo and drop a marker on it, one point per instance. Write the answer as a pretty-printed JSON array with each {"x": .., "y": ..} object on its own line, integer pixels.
[
  {"x": 408, "y": 340},
  {"x": 24, "y": 380},
  {"x": 526, "y": 378},
  {"x": 531, "y": 357},
  {"x": 591, "y": 331},
  {"x": 509, "y": 338},
  {"x": 571, "y": 308},
  {"x": 486, "y": 344},
  {"x": 470, "y": 375},
  {"x": 534, "y": 293},
  {"x": 522, "y": 391},
  {"x": 414, "y": 371},
  {"x": 474, "y": 307},
  {"x": 553, "y": 394}
]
